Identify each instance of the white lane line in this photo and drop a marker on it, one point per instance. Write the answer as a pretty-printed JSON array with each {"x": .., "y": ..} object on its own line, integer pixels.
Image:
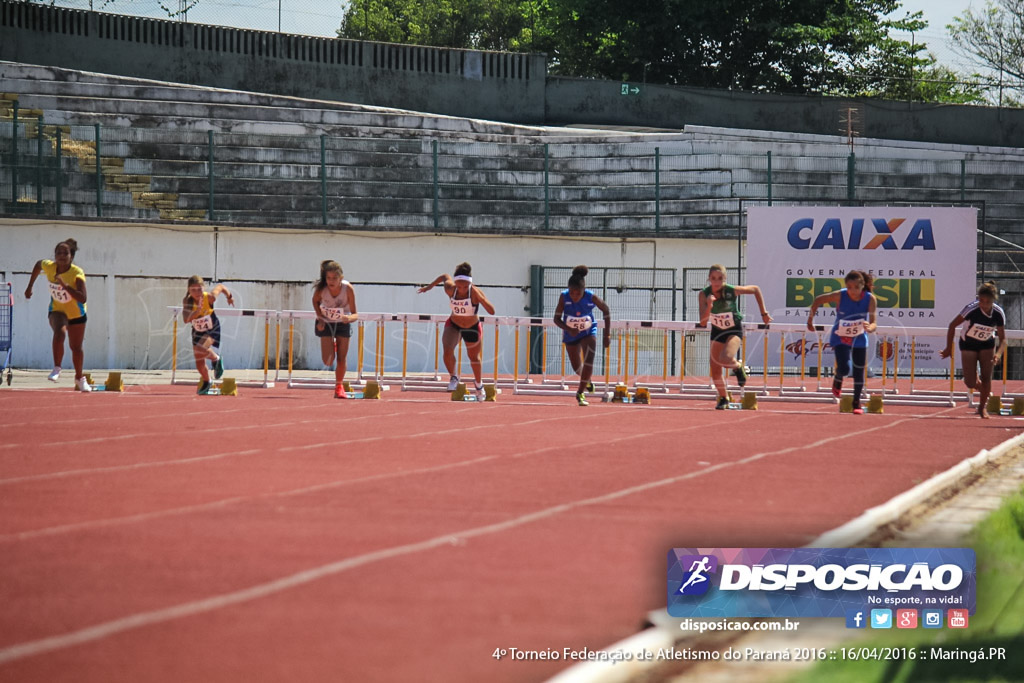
[
  {"x": 124, "y": 468},
  {"x": 135, "y": 621},
  {"x": 145, "y": 516},
  {"x": 221, "y": 430},
  {"x": 121, "y": 416},
  {"x": 462, "y": 429},
  {"x": 160, "y": 463}
]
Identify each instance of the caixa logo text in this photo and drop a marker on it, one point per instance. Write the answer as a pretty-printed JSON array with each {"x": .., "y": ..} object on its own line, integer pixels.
[
  {"x": 830, "y": 577},
  {"x": 861, "y": 233}
]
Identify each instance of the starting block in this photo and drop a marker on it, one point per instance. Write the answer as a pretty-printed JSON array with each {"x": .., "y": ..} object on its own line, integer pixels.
[
  {"x": 462, "y": 394},
  {"x": 875, "y": 404},
  {"x": 994, "y": 405},
  {"x": 733, "y": 405},
  {"x": 642, "y": 396},
  {"x": 846, "y": 404},
  {"x": 749, "y": 401},
  {"x": 370, "y": 391},
  {"x": 226, "y": 387},
  {"x": 1018, "y": 406},
  {"x": 113, "y": 383}
]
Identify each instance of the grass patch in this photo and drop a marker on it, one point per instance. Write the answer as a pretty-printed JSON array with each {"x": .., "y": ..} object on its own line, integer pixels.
[{"x": 998, "y": 621}]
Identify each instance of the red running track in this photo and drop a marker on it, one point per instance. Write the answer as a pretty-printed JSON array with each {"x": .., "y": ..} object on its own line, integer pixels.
[{"x": 285, "y": 536}]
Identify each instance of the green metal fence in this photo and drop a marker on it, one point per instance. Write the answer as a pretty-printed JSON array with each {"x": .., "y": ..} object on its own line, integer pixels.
[{"x": 671, "y": 188}]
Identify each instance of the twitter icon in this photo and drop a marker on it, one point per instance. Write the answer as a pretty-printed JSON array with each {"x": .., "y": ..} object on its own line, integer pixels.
[{"x": 881, "y": 618}]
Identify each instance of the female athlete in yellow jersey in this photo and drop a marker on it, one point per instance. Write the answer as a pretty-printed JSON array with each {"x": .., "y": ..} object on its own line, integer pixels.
[
  {"x": 197, "y": 310},
  {"x": 67, "y": 307}
]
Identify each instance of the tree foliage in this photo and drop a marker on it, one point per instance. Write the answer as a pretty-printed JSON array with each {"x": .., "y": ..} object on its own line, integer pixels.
[
  {"x": 994, "y": 37},
  {"x": 839, "y": 47},
  {"x": 474, "y": 24}
]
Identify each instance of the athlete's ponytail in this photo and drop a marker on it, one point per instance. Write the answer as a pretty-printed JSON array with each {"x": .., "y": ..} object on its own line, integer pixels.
[{"x": 578, "y": 278}]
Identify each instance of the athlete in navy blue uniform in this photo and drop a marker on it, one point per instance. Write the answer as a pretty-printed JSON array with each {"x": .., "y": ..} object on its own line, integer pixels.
[
  {"x": 986, "y": 322},
  {"x": 575, "y": 315},
  {"x": 855, "y": 319}
]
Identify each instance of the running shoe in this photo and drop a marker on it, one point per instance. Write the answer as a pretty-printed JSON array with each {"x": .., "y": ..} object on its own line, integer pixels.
[
  {"x": 218, "y": 368},
  {"x": 479, "y": 392},
  {"x": 723, "y": 403},
  {"x": 590, "y": 387},
  {"x": 837, "y": 388},
  {"x": 204, "y": 388},
  {"x": 581, "y": 399},
  {"x": 741, "y": 375},
  {"x": 339, "y": 391},
  {"x": 858, "y": 411},
  {"x": 55, "y": 374},
  {"x": 83, "y": 384},
  {"x": 453, "y": 383}
]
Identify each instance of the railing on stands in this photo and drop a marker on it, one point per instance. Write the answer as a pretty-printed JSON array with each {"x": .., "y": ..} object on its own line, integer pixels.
[
  {"x": 329, "y": 178},
  {"x": 620, "y": 363}
]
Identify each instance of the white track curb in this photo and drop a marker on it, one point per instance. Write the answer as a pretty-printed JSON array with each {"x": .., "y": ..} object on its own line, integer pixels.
[{"x": 846, "y": 535}]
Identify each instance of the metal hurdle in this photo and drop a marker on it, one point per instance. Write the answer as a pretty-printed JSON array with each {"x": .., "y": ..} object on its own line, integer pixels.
[
  {"x": 409, "y": 381},
  {"x": 359, "y": 373},
  {"x": 620, "y": 362},
  {"x": 267, "y": 315}
]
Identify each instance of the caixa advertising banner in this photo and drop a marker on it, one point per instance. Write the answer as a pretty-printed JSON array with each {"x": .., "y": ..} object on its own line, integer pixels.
[
  {"x": 923, "y": 260},
  {"x": 818, "y": 582}
]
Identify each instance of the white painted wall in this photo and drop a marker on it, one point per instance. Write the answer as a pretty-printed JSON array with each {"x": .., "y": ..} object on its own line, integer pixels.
[{"x": 135, "y": 271}]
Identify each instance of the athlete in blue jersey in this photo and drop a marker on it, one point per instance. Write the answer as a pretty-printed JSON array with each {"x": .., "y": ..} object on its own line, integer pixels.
[
  {"x": 855, "y": 318},
  {"x": 575, "y": 315},
  {"x": 986, "y": 322}
]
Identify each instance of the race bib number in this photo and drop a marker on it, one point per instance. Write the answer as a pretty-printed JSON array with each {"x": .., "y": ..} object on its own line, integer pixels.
[
  {"x": 59, "y": 294},
  {"x": 333, "y": 314},
  {"x": 723, "y": 320},
  {"x": 462, "y": 307},
  {"x": 579, "y": 324},
  {"x": 850, "y": 328},
  {"x": 981, "y": 332},
  {"x": 203, "y": 324}
]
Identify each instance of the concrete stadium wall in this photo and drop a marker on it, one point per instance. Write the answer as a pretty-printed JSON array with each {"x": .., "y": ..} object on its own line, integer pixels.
[
  {"x": 585, "y": 101},
  {"x": 456, "y": 82},
  {"x": 501, "y": 86},
  {"x": 134, "y": 272}
]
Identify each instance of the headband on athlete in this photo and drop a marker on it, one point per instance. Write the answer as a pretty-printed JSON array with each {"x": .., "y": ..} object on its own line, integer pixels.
[{"x": 464, "y": 278}]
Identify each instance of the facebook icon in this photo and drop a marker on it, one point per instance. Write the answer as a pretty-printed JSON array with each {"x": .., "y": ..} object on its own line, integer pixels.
[{"x": 856, "y": 618}]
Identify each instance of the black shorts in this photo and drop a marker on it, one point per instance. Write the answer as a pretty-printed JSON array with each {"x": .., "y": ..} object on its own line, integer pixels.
[
  {"x": 198, "y": 338},
  {"x": 470, "y": 335},
  {"x": 73, "y": 321},
  {"x": 975, "y": 345},
  {"x": 720, "y": 335},
  {"x": 333, "y": 330}
]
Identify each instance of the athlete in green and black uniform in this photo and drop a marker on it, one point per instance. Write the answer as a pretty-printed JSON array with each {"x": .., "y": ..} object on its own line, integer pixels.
[{"x": 718, "y": 304}]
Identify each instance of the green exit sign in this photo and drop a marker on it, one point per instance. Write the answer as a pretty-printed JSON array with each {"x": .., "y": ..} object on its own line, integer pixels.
[{"x": 627, "y": 89}]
